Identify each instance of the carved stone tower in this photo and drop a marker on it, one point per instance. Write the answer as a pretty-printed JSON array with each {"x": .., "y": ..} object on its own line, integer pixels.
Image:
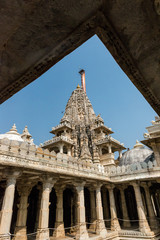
[{"x": 81, "y": 133}]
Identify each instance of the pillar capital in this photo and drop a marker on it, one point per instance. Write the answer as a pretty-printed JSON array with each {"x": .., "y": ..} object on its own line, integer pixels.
[
  {"x": 110, "y": 186},
  {"x": 12, "y": 176},
  {"x": 144, "y": 185},
  {"x": 59, "y": 188},
  {"x": 48, "y": 181},
  {"x": 134, "y": 184},
  {"x": 122, "y": 187},
  {"x": 24, "y": 188},
  {"x": 79, "y": 185}
]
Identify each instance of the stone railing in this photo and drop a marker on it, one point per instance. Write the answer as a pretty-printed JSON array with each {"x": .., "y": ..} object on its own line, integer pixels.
[
  {"x": 61, "y": 125},
  {"x": 57, "y": 139},
  {"x": 130, "y": 169},
  {"x": 107, "y": 139}
]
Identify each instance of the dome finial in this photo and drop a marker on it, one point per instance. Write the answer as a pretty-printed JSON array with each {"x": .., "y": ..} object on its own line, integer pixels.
[
  {"x": 78, "y": 86},
  {"x": 138, "y": 144},
  {"x": 13, "y": 129}
]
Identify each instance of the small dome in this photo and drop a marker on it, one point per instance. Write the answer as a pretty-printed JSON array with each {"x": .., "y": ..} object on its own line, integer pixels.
[
  {"x": 138, "y": 154},
  {"x": 12, "y": 135}
]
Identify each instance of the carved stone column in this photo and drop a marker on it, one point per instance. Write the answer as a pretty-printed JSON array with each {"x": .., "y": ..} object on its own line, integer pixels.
[
  {"x": 114, "y": 220},
  {"x": 126, "y": 221},
  {"x": 143, "y": 223},
  {"x": 93, "y": 209},
  {"x": 43, "y": 231},
  {"x": 6, "y": 212},
  {"x": 21, "y": 230},
  {"x": 59, "y": 224},
  {"x": 101, "y": 229},
  {"x": 61, "y": 148},
  {"x": 152, "y": 217},
  {"x": 82, "y": 233},
  {"x": 109, "y": 148},
  {"x": 69, "y": 151}
]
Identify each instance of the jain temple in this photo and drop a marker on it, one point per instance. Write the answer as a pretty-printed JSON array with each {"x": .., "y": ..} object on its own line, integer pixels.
[{"x": 72, "y": 187}]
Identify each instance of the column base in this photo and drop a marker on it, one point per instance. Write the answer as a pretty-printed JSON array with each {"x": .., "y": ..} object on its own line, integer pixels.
[
  {"x": 5, "y": 237},
  {"x": 115, "y": 225},
  {"x": 82, "y": 233},
  {"x": 93, "y": 226},
  {"x": 144, "y": 227},
  {"x": 42, "y": 234},
  {"x": 101, "y": 229},
  {"x": 20, "y": 233},
  {"x": 59, "y": 231}
]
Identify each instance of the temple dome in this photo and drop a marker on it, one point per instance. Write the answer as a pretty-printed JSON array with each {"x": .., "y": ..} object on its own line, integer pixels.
[
  {"x": 12, "y": 135},
  {"x": 138, "y": 154}
]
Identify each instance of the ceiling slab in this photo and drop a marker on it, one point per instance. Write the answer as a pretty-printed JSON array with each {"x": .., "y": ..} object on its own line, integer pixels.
[{"x": 35, "y": 35}]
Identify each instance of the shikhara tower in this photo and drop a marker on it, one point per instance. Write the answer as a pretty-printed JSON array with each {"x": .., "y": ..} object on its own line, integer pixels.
[{"x": 81, "y": 133}]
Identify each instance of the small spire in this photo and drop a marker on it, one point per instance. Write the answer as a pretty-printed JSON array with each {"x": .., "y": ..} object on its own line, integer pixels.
[
  {"x": 26, "y": 136},
  {"x": 26, "y": 133},
  {"x": 78, "y": 86}
]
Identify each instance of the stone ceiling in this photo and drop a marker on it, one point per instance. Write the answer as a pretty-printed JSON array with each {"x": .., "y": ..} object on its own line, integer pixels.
[{"x": 37, "y": 34}]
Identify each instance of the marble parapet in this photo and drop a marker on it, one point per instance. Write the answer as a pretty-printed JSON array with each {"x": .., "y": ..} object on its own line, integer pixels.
[{"x": 24, "y": 155}]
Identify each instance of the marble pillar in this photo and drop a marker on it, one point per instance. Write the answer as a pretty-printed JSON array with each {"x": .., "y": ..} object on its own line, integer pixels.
[
  {"x": 152, "y": 217},
  {"x": 93, "y": 210},
  {"x": 126, "y": 221},
  {"x": 7, "y": 206},
  {"x": 21, "y": 229},
  {"x": 43, "y": 231},
  {"x": 100, "y": 229},
  {"x": 61, "y": 148},
  {"x": 115, "y": 226},
  {"x": 82, "y": 233},
  {"x": 69, "y": 151},
  {"x": 143, "y": 223},
  {"x": 59, "y": 224}
]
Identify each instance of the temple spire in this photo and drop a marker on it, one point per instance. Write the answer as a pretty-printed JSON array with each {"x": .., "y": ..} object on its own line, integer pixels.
[{"x": 83, "y": 81}]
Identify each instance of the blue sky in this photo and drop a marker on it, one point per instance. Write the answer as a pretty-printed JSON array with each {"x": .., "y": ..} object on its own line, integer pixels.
[{"x": 112, "y": 94}]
